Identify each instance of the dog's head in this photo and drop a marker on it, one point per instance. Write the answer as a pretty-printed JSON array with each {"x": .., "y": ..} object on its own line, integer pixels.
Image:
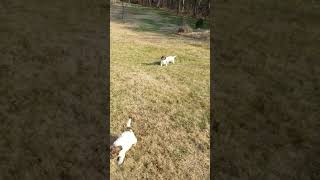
[
  {"x": 114, "y": 151},
  {"x": 163, "y": 57}
]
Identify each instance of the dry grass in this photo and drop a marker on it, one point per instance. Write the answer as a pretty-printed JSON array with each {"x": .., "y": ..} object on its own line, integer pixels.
[{"x": 170, "y": 105}]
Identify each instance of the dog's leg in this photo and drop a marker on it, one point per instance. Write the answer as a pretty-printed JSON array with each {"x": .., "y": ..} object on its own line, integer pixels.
[
  {"x": 135, "y": 142},
  {"x": 121, "y": 157}
]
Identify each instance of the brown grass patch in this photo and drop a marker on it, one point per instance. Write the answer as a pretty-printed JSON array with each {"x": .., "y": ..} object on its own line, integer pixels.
[{"x": 170, "y": 105}]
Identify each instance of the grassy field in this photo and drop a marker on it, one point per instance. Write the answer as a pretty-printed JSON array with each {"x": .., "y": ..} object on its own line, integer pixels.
[{"x": 169, "y": 105}]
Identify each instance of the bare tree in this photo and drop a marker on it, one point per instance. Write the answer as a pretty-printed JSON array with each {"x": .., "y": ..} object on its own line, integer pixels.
[
  {"x": 182, "y": 10},
  {"x": 122, "y": 10},
  {"x": 158, "y": 4}
]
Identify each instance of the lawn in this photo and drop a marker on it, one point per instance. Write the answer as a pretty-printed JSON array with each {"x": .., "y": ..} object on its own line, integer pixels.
[{"x": 169, "y": 105}]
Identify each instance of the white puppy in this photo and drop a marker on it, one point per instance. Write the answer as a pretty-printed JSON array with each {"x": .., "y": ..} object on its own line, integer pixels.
[
  {"x": 123, "y": 144},
  {"x": 164, "y": 61},
  {"x": 171, "y": 59},
  {"x": 167, "y": 60}
]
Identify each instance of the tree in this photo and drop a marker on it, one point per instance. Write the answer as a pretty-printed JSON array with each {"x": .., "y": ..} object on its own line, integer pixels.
[
  {"x": 122, "y": 10},
  {"x": 195, "y": 8},
  {"x": 158, "y": 4}
]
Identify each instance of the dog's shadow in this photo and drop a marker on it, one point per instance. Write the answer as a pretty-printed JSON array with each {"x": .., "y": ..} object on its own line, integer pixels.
[{"x": 152, "y": 63}]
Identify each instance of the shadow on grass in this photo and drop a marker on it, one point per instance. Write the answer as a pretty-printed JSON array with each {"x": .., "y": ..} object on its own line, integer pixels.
[{"x": 152, "y": 63}]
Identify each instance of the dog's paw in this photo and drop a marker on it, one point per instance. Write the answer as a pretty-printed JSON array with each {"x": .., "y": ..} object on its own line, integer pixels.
[{"x": 120, "y": 160}]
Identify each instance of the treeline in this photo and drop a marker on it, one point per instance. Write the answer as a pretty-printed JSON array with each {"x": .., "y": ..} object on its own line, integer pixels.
[{"x": 195, "y": 8}]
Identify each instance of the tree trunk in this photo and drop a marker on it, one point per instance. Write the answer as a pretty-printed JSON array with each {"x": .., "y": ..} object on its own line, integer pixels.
[
  {"x": 182, "y": 9},
  {"x": 122, "y": 10},
  {"x": 178, "y": 8},
  {"x": 195, "y": 8},
  {"x": 158, "y": 4}
]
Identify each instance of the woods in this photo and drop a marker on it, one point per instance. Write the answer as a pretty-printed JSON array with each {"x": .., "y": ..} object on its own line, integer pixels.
[{"x": 194, "y": 8}]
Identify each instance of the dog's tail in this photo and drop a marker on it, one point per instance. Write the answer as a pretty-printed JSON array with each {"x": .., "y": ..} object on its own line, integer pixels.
[{"x": 129, "y": 124}]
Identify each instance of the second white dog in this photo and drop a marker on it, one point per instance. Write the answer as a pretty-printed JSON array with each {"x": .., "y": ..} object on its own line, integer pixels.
[
  {"x": 171, "y": 59},
  {"x": 167, "y": 60}
]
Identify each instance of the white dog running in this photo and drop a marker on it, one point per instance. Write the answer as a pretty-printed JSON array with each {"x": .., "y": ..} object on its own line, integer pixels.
[
  {"x": 167, "y": 60},
  {"x": 124, "y": 143}
]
